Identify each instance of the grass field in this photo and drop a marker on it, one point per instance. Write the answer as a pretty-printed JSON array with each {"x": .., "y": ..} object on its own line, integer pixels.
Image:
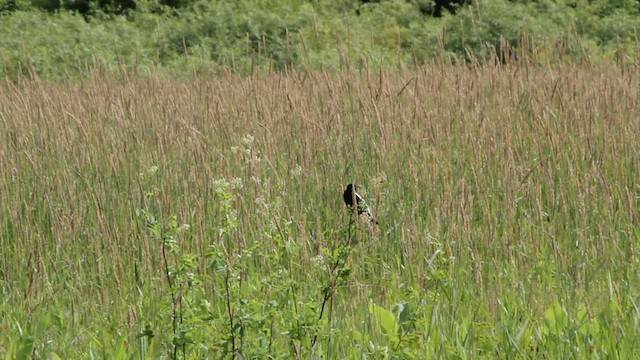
[{"x": 158, "y": 218}]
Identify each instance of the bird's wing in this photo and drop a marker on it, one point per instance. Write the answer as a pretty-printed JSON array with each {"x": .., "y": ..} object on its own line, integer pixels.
[{"x": 363, "y": 208}]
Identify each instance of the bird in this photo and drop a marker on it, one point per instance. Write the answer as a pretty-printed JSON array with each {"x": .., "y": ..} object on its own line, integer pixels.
[{"x": 350, "y": 195}]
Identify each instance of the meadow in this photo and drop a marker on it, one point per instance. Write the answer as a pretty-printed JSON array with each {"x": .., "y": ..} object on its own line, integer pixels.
[{"x": 155, "y": 217}]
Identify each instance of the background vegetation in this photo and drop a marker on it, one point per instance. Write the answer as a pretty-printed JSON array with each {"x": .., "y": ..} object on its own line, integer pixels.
[
  {"x": 171, "y": 176},
  {"x": 61, "y": 39}
]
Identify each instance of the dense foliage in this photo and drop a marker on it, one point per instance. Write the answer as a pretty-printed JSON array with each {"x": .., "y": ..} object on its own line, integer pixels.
[{"x": 58, "y": 39}]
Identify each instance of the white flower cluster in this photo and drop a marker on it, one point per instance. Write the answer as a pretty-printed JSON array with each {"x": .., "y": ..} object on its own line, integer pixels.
[
  {"x": 247, "y": 140},
  {"x": 245, "y": 149},
  {"x": 149, "y": 172},
  {"x": 223, "y": 185},
  {"x": 296, "y": 171}
]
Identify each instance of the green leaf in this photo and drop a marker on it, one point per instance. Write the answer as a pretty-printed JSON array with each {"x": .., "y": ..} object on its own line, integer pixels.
[
  {"x": 357, "y": 335},
  {"x": 403, "y": 312},
  {"x": 588, "y": 325},
  {"x": 555, "y": 320},
  {"x": 385, "y": 319},
  {"x": 26, "y": 348}
]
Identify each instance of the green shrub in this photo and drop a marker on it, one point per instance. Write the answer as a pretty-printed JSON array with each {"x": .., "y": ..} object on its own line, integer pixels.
[
  {"x": 62, "y": 45},
  {"x": 186, "y": 36}
]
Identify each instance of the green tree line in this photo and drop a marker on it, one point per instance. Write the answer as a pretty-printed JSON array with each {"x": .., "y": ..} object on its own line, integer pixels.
[
  {"x": 426, "y": 7},
  {"x": 62, "y": 38}
]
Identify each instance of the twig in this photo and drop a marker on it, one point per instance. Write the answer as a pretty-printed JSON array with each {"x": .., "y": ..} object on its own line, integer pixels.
[
  {"x": 329, "y": 290},
  {"x": 228, "y": 296}
]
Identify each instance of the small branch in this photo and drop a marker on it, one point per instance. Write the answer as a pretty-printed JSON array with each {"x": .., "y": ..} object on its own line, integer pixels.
[
  {"x": 228, "y": 298},
  {"x": 173, "y": 296},
  {"x": 333, "y": 279}
]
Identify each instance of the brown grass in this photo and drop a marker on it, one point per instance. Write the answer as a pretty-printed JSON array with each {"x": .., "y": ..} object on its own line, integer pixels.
[{"x": 526, "y": 177}]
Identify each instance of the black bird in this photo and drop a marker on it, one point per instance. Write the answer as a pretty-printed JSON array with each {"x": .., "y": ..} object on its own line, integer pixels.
[{"x": 350, "y": 195}]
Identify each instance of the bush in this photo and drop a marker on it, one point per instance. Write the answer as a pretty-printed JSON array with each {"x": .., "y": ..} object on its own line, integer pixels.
[
  {"x": 57, "y": 46},
  {"x": 183, "y": 36},
  {"x": 486, "y": 28}
]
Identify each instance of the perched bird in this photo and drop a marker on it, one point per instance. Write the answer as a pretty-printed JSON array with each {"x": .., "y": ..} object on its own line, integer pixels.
[{"x": 350, "y": 195}]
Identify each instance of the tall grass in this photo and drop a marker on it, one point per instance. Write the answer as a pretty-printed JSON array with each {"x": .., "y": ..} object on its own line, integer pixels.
[{"x": 508, "y": 201}]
